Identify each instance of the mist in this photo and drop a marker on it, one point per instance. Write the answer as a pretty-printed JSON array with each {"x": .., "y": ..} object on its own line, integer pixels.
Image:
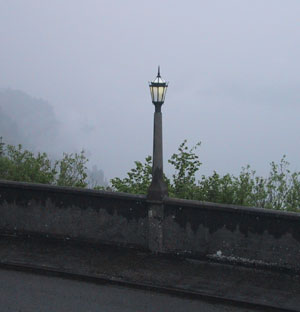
[{"x": 232, "y": 66}]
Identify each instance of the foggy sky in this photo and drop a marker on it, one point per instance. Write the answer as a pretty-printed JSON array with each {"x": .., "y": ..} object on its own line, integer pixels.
[{"x": 233, "y": 70}]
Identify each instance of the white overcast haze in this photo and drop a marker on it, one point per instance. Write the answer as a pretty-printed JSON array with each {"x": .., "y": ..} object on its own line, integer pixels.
[{"x": 233, "y": 69}]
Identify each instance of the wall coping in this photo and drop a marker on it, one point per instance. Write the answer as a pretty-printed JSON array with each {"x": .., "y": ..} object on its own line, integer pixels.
[
  {"x": 195, "y": 204},
  {"x": 233, "y": 208},
  {"x": 70, "y": 190}
]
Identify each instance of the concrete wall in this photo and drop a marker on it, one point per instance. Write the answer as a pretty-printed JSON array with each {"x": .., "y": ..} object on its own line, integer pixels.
[
  {"x": 232, "y": 233},
  {"x": 196, "y": 229},
  {"x": 73, "y": 213}
]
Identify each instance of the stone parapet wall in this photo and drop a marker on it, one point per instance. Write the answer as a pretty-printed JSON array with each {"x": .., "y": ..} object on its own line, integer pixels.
[
  {"x": 232, "y": 233},
  {"x": 73, "y": 213},
  {"x": 195, "y": 229}
]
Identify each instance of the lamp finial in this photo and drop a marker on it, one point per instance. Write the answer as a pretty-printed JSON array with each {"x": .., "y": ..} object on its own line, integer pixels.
[{"x": 158, "y": 74}]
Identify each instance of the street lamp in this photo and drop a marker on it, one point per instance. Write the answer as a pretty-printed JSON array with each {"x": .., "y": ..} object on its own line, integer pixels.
[
  {"x": 158, "y": 90},
  {"x": 158, "y": 188}
]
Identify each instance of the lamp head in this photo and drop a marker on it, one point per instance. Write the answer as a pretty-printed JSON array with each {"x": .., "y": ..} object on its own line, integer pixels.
[{"x": 158, "y": 89}]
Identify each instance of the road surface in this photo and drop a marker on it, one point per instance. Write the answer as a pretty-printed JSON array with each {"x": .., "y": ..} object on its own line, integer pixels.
[{"x": 27, "y": 292}]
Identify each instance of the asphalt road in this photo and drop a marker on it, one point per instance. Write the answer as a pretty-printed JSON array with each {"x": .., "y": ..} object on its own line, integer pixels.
[{"x": 24, "y": 292}]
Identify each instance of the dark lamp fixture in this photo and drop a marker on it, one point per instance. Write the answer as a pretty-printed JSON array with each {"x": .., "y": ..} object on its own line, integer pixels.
[{"x": 158, "y": 89}]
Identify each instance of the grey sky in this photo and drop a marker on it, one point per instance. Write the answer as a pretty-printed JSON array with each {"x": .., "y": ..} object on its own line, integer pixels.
[{"x": 233, "y": 68}]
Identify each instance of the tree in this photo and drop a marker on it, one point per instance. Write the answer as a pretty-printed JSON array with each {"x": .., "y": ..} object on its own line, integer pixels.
[
  {"x": 22, "y": 165},
  {"x": 18, "y": 164},
  {"x": 137, "y": 180},
  {"x": 72, "y": 170},
  {"x": 280, "y": 190},
  {"x": 186, "y": 164}
]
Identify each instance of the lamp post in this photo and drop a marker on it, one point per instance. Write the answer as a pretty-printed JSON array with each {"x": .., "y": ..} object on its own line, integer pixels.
[{"x": 158, "y": 188}]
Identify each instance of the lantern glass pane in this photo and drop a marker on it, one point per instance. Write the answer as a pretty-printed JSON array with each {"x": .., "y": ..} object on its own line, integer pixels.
[
  {"x": 160, "y": 94},
  {"x": 164, "y": 95},
  {"x": 151, "y": 92},
  {"x": 154, "y": 93}
]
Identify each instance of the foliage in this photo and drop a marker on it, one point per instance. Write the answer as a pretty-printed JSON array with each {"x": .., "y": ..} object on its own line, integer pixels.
[
  {"x": 280, "y": 190},
  {"x": 72, "y": 170},
  {"x": 17, "y": 164},
  {"x": 138, "y": 179},
  {"x": 186, "y": 163}
]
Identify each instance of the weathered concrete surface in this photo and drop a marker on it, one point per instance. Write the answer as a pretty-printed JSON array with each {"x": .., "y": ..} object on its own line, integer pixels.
[
  {"x": 193, "y": 278},
  {"x": 21, "y": 291},
  {"x": 156, "y": 223},
  {"x": 197, "y": 229},
  {"x": 88, "y": 215},
  {"x": 231, "y": 233}
]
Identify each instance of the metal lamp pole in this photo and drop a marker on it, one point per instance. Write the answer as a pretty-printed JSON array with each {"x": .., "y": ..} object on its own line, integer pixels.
[{"x": 158, "y": 188}]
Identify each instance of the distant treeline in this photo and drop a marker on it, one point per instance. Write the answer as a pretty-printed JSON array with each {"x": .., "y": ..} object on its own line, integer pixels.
[
  {"x": 28, "y": 120},
  {"x": 32, "y": 122}
]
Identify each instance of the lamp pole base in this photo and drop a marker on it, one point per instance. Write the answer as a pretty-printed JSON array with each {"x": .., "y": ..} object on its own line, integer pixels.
[{"x": 158, "y": 190}]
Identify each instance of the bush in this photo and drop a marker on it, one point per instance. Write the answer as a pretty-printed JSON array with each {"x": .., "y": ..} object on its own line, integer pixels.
[
  {"x": 18, "y": 164},
  {"x": 280, "y": 190}
]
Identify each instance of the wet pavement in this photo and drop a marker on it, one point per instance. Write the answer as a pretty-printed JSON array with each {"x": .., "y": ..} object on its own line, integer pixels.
[
  {"x": 139, "y": 269},
  {"x": 25, "y": 292}
]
